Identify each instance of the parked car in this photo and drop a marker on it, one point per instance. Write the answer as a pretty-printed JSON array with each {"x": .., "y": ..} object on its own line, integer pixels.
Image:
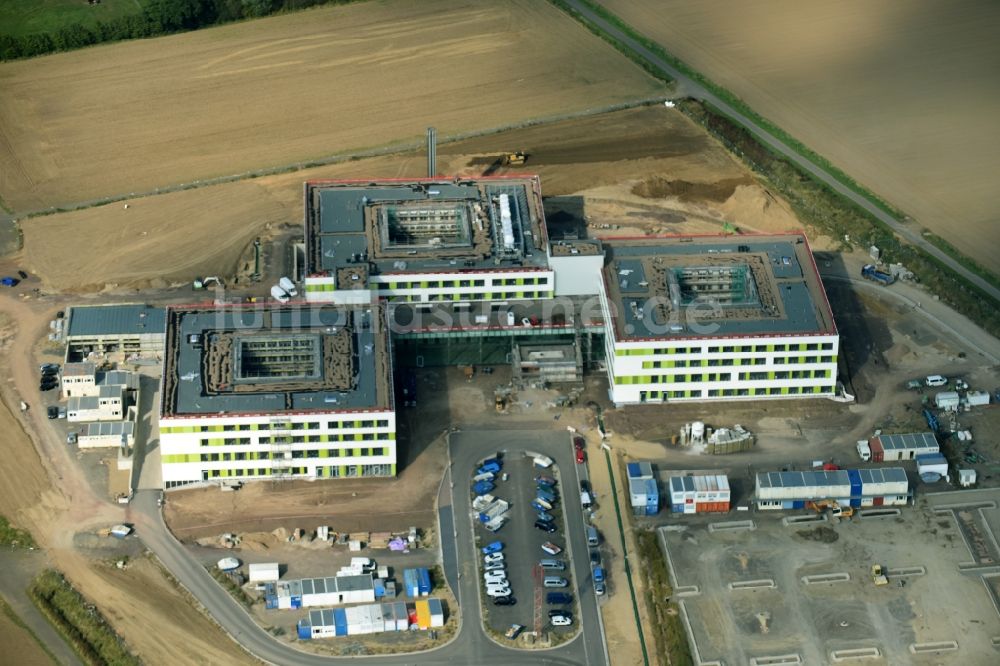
[
  {"x": 504, "y": 601},
  {"x": 561, "y": 620},
  {"x": 52, "y": 412},
  {"x": 494, "y": 547},
  {"x": 45, "y": 385},
  {"x": 558, "y": 598},
  {"x": 554, "y": 581},
  {"x": 495, "y": 592},
  {"x": 545, "y": 481},
  {"x": 543, "y": 515},
  {"x": 936, "y": 380},
  {"x": 489, "y": 558},
  {"x": 62, "y": 412},
  {"x": 513, "y": 631},
  {"x": 551, "y": 548},
  {"x": 22, "y": 275},
  {"x": 598, "y": 575},
  {"x": 584, "y": 486},
  {"x": 558, "y": 565},
  {"x": 71, "y": 438},
  {"x": 48, "y": 367},
  {"x": 581, "y": 456},
  {"x": 560, "y": 611},
  {"x": 579, "y": 443},
  {"x": 595, "y": 558},
  {"x": 548, "y": 528},
  {"x": 599, "y": 588},
  {"x": 495, "y": 566}
]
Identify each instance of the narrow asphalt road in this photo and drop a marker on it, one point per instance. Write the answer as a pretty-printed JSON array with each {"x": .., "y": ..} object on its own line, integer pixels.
[{"x": 696, "y": 90}]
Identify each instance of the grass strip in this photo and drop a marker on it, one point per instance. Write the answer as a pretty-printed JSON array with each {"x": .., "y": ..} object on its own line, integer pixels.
[
  {"x": 955, "y": 254},
  {"x": 82, "y": 626},
  {"x": 230, "y": 586},
  {"x": 15, "y": 536},
  {"x": 628, "y": 569},
  {"x": 741, "y": 106},
  {"x": 668, "y": 630}
]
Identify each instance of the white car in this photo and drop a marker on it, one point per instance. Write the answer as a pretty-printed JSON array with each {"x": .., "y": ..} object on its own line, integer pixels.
[
  {"x": 495, "y": 578},
  {"x": 561, "y": 621},
  {"x": 498, "y": 591},
  {"x": 493, "y": 557},
  {"x": 495, "y": 566}
]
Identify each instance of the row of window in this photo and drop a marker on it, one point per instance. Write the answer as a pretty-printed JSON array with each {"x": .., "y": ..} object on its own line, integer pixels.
[
  {"x": 301, "y": 439},
  {"x": 729, "y": 349},
  {"x": 645, "y": 396},
  {"x": 325, "y": 472},
  {"x": 722, "y": 377},
  {"x": 459, "y": 284},
  {"x": 274, "y": 455},
  {"x": 716, "y": 362},
  {"x": 495, "y": 296},
  {"x": 283, "y": 425}
]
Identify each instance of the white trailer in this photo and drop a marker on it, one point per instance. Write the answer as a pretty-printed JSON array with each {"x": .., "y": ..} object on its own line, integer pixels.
[
  {"x": 948, "y": 400},
  {"x": 977, "y": 398},
  {"x": 264, "y": 572},
  {"x": 494, "y": 510}
]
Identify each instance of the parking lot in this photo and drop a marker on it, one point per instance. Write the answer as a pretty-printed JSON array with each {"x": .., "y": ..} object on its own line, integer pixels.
[
  {"x": 805, "y": 592},
  {"x": 522, "y": 548}
]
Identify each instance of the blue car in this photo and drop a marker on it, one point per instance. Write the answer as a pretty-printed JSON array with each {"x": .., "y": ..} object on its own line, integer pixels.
[
  {"x": 538, "y": 507},
  {"x": 482, "y": 487},
  {"x": 545, "y": 481},
  {"x": 494, "y": 547},
  {"x": 547, "y": 517},
  {"x": 545, "y": 495},
  {"x": 491, "y": 466}
]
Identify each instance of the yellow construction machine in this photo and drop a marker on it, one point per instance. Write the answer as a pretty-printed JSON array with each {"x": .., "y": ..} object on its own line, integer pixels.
[{"x": 514, "y": 159}]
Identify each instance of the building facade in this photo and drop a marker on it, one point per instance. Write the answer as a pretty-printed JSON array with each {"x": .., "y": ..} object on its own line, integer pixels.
[
  {"x": 284, "y": 394},
  {"x": 721, "y": 318}
]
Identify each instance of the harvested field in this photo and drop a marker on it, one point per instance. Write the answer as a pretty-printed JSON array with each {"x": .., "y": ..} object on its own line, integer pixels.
[
  {"x": 902, "y": 96},
  {"x": 20, "y": 647},
  {"x": 134, "y": 116},
  {"x": 597, "y": 159}
]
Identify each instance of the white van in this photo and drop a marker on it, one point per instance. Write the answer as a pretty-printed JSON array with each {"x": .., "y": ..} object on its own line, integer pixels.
[
  {"x": 554, "y": 581},
  {"x": 936, "y": 380}
]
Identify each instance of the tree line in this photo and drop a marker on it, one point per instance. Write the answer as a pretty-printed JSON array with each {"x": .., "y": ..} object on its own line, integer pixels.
[{"x": 159, "y": 17}]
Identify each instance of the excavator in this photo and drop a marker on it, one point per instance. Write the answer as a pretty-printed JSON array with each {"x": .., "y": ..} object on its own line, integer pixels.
[
  {"x": 833, "y": 506},
  {"x": 516, "y": 158}
]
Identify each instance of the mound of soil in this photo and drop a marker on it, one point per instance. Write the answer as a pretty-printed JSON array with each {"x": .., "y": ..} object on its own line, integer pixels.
[
  {"x": 657, "y": 187},
  {"x": 822, "y": 533}
]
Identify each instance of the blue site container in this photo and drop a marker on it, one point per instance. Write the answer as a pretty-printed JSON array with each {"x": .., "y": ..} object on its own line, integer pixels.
[
  {"x": 787, "y": 504},
  {"x": 297, "y": 601},
  {"x": 339, "y": 622},
  {"x": 410, "y": 583},
  {"x": 304, "y": 630},
  {"x": 424, "y": 581},
  {"x": 856, "y": 502},
  {"x": 799, "y": 504},
  {"x": 379, "y": 588},
  {"x": 633, "y": 470},
  {"x": 677, "y": 508},
  {"x": 270, "y": 602}
]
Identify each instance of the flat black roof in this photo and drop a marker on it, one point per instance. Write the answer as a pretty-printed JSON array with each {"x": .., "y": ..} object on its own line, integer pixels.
[{"x": 191, "y": 384}]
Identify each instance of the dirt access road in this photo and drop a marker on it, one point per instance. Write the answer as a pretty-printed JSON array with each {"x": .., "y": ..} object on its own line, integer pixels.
[
  {"x": 138, "y": 115},
  {"x": 49, "y": 495}
]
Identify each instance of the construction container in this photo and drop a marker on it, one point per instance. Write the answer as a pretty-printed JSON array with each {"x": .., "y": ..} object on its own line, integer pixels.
[
  {"x": 437, "y": 612},
  {"x": 410, "y": 583},
  {"x": 890, "y": 448},
  {"x": 644, "y": 496},
  {"x": 264, "y": 572},
  {"x": 932, "y": 463},
  {"x": 423, "y": 581},
  {"x": 700, "y": 494},
  {"x": 977, "y": 398},
  {"x": 639, "y": 470},
  {"x": 859, "y": 488},
  {"x": 423, "y": 613},
  {"x": 948, "y": 400}
]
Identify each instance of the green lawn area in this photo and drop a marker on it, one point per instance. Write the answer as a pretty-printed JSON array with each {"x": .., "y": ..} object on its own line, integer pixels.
[{"x": 28, "y": 17}]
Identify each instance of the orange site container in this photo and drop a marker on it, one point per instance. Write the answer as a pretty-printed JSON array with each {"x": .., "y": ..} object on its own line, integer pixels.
[{"x": 712, "y": 507}]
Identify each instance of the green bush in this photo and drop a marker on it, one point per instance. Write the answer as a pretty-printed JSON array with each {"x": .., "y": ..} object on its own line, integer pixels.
[
  {"x": 14, "y": 536},
  {"x": 668, "y": 630},
  {"x": 79, "y": 621}
]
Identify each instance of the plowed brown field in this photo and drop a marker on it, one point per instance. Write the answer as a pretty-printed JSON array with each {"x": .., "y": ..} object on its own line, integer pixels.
[
  {"x": 138, "y": 115},
  {"x": 903, "y": 96}
]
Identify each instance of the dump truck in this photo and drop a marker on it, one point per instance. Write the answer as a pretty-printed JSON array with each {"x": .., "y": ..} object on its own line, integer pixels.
[
  {"x": 871, "y": 272},
  {"x": 878, "y": 576}
]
